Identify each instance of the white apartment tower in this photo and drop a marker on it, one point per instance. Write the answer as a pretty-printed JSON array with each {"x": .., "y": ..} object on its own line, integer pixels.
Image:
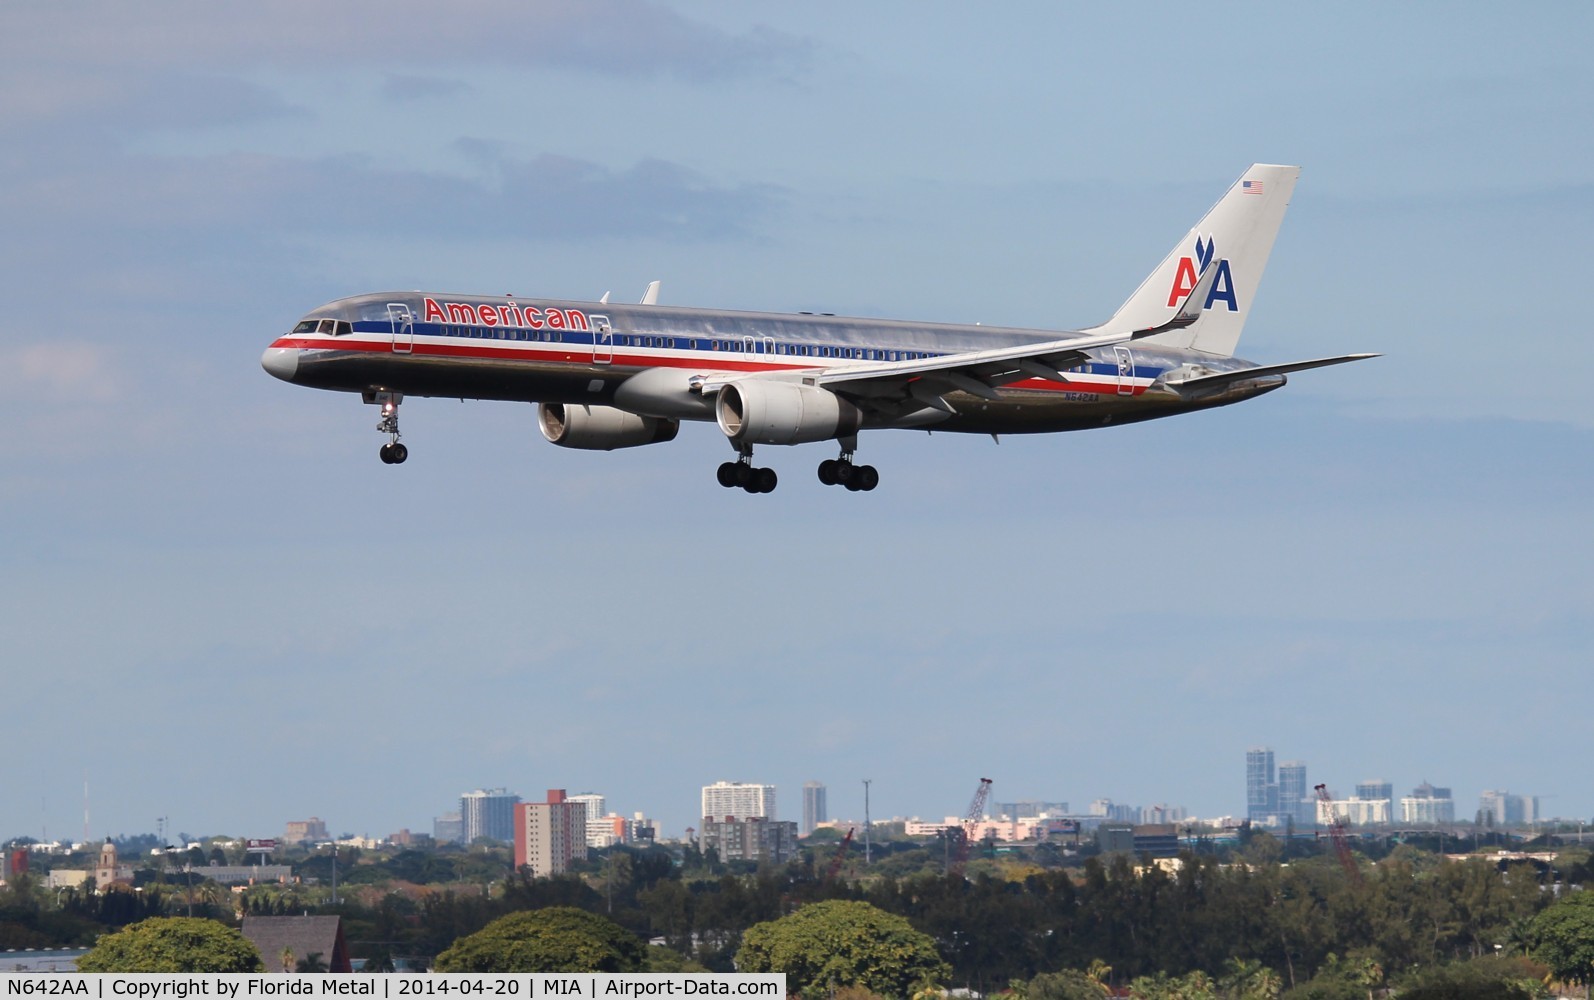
[
  {"x": 738, "y": 800},
  {"x": 597, "y": 807}
]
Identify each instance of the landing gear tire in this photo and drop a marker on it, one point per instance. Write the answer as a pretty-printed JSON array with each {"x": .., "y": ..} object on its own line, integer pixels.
[
  {"x": 841, "y": 472},
  {"x": 727, "y": 474},
  {"x": 763, "y": 481},
  {"x": 391, "y": 453},
  {"x": 744, "y": 475}
]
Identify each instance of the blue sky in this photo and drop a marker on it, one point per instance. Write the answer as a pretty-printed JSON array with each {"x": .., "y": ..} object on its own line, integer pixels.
[{"x": 217, "y": 605}]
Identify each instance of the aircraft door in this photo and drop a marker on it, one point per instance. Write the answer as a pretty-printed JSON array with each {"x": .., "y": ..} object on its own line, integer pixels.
[
  {"x": 1126, "y": 371},
  {"x": 602, "y": 341},
  {"x": 403, "y": 322}
]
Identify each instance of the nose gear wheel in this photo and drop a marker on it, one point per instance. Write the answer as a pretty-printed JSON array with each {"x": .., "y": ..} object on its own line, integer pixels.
[{"x": 391, "y": 453}]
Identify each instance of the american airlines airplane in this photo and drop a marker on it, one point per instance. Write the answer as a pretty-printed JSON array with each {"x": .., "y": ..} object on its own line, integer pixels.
[{"x": 609, "y": 376}]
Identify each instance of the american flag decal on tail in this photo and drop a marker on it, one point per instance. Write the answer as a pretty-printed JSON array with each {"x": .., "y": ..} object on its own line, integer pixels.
[{"x": 1251, "y": 187}]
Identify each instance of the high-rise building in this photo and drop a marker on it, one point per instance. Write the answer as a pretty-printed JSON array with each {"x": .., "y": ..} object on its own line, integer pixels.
[
  {"x": 1428, "y": 804},
  {"x": 813, "y": 806},
  {"x": 1031, "y": 809},
  {"x": 448, "y": 828},
  {"x": 734, "y": 799},
  {"x": 1108, "y": 809},
  {"x": 1375, "y": 788},
  {"x": 596, "y": 806},
  {"x": 489, "y": 814},
  {"x": 750, "y": 839},
  {"x": 1261, "y": 786},
  {"x": 306, "y": 831},
  {"x": 1505, "y": 809},
  {"x": 1295, "y": 799},
  {"x": 549, "y": 835},
  {"x": 1160, "y": 814},
  {"x": 1353, "y": 812}
]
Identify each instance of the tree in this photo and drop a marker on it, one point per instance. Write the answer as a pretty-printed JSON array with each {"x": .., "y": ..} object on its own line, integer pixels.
[
  {"x": 837, "y": 943},
  {"x": 173, "y": 944},
  {"x": 1563, "y": 938},
  {"x": 554, "y": 939},
  {"x": 1066, "y": 985},
  {"x": 1479, "y": 979}
]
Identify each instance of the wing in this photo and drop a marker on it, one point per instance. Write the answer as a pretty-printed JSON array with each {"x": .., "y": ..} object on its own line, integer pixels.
[
  {"x": 902, "y": 387},
  {"x": 1201, "y": 384}
]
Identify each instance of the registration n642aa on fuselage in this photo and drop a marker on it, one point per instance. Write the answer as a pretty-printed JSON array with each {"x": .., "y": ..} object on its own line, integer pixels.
[{"x": 607, "y": 375}]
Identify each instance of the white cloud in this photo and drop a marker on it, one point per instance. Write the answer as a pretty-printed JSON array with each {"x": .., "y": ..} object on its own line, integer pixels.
[
  {"x": 59, "y": 372},
  {"x": 602, "y": 36}
]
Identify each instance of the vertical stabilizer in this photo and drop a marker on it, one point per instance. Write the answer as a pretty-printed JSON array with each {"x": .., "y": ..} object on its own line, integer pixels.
[{"x": 1236, "y": 237}]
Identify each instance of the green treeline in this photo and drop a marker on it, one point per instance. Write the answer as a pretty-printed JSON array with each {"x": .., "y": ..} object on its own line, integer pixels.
[
  {"x": 1216, "y": 914},
  {"x": 1413, "y": 909}
]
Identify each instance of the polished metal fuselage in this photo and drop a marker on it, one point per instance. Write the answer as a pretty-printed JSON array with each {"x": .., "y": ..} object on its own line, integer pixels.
[{"x": 554, "y": 351}]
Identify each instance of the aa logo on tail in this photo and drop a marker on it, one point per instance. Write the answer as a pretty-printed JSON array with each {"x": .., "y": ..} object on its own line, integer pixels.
[{"x": 1184, "y": 279}]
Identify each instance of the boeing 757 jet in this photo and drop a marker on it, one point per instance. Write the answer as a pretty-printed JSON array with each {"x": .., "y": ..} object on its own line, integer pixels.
[{"x": 609, "y": 376}]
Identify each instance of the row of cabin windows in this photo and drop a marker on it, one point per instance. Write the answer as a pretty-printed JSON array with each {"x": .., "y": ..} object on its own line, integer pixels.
[
  {"x": 692, "y": 344},
  {"x": 503, "y": 333},
  {"x": 343, "y": 327}
]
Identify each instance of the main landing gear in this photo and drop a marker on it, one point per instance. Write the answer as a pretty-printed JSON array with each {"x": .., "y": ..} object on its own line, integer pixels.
[
  {"x": 841, "y": 472},
  {"x": 832, "y": 472},
  {"x": 391, "y": 453},
  {"x": 742, "y": 473}
]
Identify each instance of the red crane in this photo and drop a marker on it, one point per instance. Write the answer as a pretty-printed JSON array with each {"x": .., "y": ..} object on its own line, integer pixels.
[
  {"x": 1336, "y": 830},
  {"x": 838, "y": 858},
  {"x": 971, "y": 821}
]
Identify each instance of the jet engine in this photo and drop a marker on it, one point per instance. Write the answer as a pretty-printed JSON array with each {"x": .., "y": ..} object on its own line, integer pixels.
[
  {"x": 601, "y": 428},
  {"x": 764, "y": 412}
]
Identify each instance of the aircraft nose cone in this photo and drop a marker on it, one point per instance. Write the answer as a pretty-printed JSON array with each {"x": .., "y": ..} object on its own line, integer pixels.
[{"x": 283, "y": 362}]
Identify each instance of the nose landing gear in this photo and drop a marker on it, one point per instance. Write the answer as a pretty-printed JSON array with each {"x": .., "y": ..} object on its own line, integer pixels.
[{"x": 391, "y": 453}]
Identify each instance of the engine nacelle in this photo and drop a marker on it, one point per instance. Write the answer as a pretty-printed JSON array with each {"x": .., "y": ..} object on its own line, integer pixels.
[
  {"x": 601, "y": 428},
  {"x": 761, "y": 412}
]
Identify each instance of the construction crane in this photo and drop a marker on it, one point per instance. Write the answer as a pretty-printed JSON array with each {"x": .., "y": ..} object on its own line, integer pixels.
[
  {"x": 1336, "y": 831},
  {"x": 971, "y": 822},
  {"x": 838, "y": 857}
]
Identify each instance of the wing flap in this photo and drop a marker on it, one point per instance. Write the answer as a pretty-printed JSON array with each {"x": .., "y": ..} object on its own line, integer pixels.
[{"x": 1206, "y": 383}]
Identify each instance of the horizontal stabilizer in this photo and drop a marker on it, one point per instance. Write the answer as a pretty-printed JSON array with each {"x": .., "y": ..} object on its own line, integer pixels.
[{"x": 1208, "y": 382}]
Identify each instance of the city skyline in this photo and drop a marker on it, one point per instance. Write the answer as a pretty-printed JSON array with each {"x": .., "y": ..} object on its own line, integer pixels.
[
  {"x": 1510, "y": 805},
  {"x": 1393, "y": 546}
]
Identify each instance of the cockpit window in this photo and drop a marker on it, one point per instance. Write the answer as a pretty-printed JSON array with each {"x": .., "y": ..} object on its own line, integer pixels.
[{"x": 335, "y": 327}]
